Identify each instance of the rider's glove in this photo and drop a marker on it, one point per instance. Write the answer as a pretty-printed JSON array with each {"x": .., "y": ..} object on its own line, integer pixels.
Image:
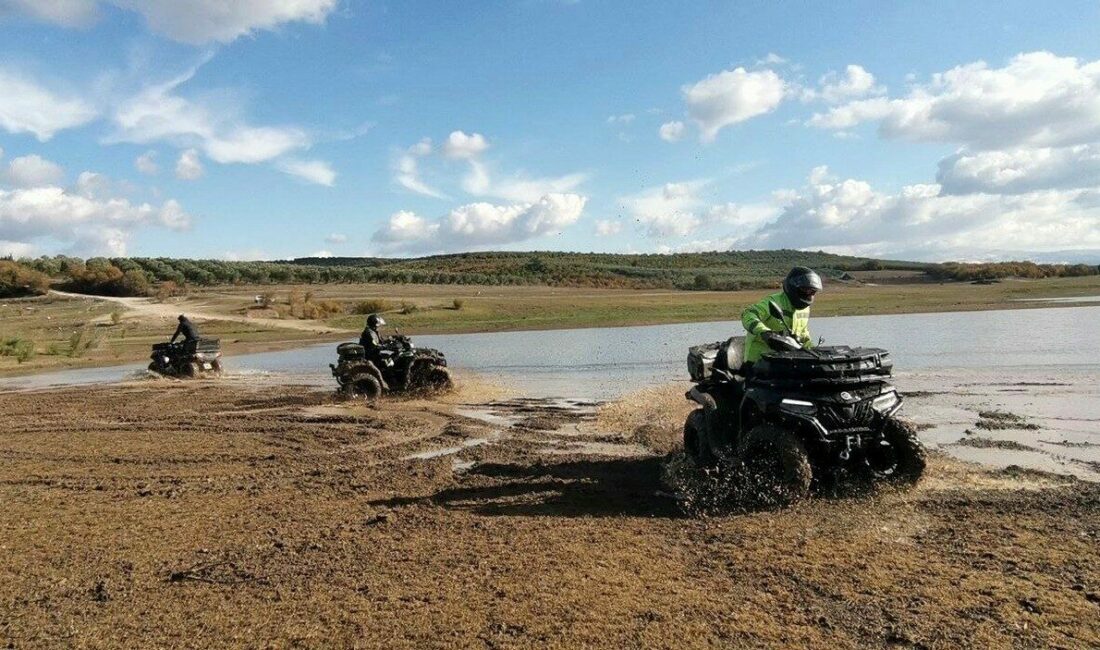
[{"x": 771, "y": 339}]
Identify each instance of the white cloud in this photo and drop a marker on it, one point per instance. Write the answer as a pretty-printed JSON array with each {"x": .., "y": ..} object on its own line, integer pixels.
[
  {"x": 1019, "y": 171},
  {"x": 336, "y": 238},
  {"x": 187, "y": 21},
  {"x": 27, "y": 107},
  {"x": 16, "y": 249},
  {"x": 480, "y": 224},
  {"x": 157, "y": 113},
  {"x": 1037, "y": 100},
  {"x": 33, "y": 171},
  {"x": 730, "y": 97},
  {"x": 313, "y": 171},
  {"x": 321, "y": 253},
  {"x": 622, "y": 120},
  {"x": 189, "y": 167},
  {"x": 922, "y": 222},
  {"x": 146, "y": 163},
  {"x": 856, "y": 82},
  {"x": 407, "y": 167},
  {"x": 462, "y": 145},
  {"x": 87, "y": 225},
  {"x": 608, "y": 228},
  {"x": 519, "y": 188},
  {"x": 667, "y": 211},
  {"x": 771, "y": 59},
  {"x": 251, "y": 255},
  {"x": 671, "y": 131},
  {"x": 67, "y": 13}
]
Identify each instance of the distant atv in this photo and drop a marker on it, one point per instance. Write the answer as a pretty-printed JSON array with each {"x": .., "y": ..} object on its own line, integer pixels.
[
  {"x": 192, "y": 359},
  {"x": 405, "y": 368},
  {"x": 802, "y": 415}
]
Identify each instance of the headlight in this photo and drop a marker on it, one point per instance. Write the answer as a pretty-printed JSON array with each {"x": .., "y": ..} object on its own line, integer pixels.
[
  {"x": 885, "y": 401},
  {"x": 797, "y": 406}
]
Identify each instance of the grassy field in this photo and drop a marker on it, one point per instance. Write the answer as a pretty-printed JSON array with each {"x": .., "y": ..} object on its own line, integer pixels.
[{"x": 50, "y": 323}]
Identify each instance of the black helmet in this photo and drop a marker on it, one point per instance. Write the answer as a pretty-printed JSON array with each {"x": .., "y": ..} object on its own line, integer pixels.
[
  {"x": 801, "y": 285},
  {"x": 374, "y": 321},
  {"x": 182, "y": 318}
]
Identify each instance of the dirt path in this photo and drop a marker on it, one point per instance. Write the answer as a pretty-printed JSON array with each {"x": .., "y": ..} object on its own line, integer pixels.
[
  {"x": 259, "y": 515},
  {"x": 149, "y": 308}
]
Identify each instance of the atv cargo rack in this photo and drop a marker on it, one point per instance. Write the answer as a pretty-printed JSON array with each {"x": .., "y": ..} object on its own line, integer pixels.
[
  {"x": 201, "y": 345},
  {"x": 826, "y": 362}
]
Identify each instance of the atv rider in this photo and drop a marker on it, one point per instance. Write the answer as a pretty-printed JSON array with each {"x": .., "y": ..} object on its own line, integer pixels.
[
  {"x": 186, "y": 329},
  {"x": 799, "y": 289},
  {"x": 371, "y": 341}
]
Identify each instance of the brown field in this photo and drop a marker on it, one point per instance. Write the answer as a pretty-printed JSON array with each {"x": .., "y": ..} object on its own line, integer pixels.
[
  {"x": 227, "y": 312},
  {"x": 201, "y": 514}
]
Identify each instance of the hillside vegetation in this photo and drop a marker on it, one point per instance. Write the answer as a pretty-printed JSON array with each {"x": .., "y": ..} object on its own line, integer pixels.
[{"x": 718, "y": 271}]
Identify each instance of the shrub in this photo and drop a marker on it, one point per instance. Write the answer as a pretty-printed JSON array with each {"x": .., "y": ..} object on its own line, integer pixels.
[
  {"x": 19, "y": 280},
  {"x": 457, "y": 304},
  {"x": 116, "y": 317},
  {"x": 102, "y": 278},
  {"x": 168, "y": 289},
  {"x": 409, "y": 308},
  {"x": 371, "y": 306},
  {"x": 321, "y": 309},
  {"x": 21, "y": 349},
  {"x": 81, "y": 341}
]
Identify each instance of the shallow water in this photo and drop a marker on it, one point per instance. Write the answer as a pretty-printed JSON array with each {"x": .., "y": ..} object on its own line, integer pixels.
[{"x": 605, "y": 363}]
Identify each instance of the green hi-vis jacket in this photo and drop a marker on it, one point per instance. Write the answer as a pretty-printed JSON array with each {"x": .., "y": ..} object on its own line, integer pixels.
[{"x": 757, "y": 319}]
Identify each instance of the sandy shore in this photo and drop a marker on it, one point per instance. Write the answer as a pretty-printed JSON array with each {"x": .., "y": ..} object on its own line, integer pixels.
[{"x": 247, "y": 513}]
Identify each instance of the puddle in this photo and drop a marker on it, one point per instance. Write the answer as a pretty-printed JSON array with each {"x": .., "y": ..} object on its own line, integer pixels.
[{"x": 450, "y": 451}]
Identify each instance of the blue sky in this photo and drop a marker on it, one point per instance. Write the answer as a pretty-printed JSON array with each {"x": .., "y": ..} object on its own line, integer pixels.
[{"x": 285, "y": 128}]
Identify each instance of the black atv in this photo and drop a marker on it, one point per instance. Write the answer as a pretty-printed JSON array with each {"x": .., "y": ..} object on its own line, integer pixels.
[
  {"x": 192, "y": 359},
  {"x": 800, "y": 415},
  {"x": 404, "y": 368}
]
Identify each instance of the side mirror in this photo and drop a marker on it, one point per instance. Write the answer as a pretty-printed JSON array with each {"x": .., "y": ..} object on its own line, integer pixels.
[{"x": 776, "y": 310}]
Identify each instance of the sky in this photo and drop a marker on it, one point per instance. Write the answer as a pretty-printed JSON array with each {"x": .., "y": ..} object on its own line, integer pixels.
[{"x": 271, "y": 129}]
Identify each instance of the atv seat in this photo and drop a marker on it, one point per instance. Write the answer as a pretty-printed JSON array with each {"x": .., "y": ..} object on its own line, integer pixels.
[
  {"x": 727, "y": 356},
  {"x": 351, "y": 351}
]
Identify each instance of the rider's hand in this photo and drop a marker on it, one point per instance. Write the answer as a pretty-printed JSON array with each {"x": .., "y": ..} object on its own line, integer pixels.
[{"x": 771, "y": 339}]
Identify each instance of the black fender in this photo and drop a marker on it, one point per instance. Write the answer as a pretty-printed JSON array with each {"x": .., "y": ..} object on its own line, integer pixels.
[{"x": 703, "y": 399}]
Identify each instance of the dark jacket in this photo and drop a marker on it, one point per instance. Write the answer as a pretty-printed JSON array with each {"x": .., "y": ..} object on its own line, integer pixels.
[
  {"x": 372, "y": 344},
  {"x": 187, "y": 330}
]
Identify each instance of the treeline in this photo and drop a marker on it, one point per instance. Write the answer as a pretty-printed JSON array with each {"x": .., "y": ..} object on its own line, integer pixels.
[
  {"x": 698, "y": 271},
  {"x": 721, "y": 271},
  {"x": 1000, "y": 270}
]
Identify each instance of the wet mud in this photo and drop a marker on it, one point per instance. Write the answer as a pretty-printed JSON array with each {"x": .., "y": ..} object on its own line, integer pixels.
[{"x": 250, "y": 514}]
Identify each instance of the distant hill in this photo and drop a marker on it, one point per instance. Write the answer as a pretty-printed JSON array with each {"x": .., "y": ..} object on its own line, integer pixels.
[
  {"x": 714, "y": 271},
  {"x": 688, "y": 271}
]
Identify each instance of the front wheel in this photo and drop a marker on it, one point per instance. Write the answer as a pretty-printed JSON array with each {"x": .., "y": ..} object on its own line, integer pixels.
[
  {"x": 695, "y": 439},
  {"x": 776, "y": 467},
  {"x": 439, "y": 379},
  {"x": 908, "y": 451}
]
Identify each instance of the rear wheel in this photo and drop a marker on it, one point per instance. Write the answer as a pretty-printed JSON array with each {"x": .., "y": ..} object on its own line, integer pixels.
[
  {"x": 910, "y": 454},
  {"x": 695, "y": 439},
  {"x": 776, "y": 467},
  {"x": 366, "y": 387},
  {"x": 153, "y": 367},
  {"x": 216, "y": 367}
]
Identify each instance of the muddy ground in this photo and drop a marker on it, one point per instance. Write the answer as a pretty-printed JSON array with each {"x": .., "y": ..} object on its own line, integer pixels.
[{"x": 171, "y": 514}]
